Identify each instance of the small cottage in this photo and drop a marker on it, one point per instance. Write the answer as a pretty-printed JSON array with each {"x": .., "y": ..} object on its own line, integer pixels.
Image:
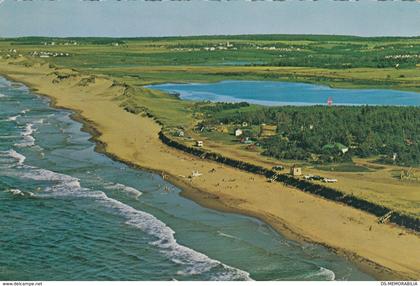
[
  {"x": 238, "y": 132},
  {"x": 199, "y": 143},
  {"x": 295, "y": 171}
]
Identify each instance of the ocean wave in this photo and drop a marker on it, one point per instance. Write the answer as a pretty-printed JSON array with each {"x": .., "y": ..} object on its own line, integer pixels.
[
  {"x": 28, "y": 139},
  {"x": 39, "y": 121},
  {"x": 63, "y": 182},
  {"x": 25, "y": 111},
  {"x": 2, "y": 95},
  {"x": 126, "y": 189},
  {"x": 194, "y": 263},
  {"x": 14, "y": 155},
  {"x": 324, "y": 273},
  {"x": 226, "y": 235},
  {"x": 8, "y": 136},
  {"x": 13, "y": 118},
  {"x": 17, "y": 192},
  {"x": 329, "y": 274}
]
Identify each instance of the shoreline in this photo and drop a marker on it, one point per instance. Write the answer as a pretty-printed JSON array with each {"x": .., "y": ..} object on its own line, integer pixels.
[{"x": 210, "y": 199}]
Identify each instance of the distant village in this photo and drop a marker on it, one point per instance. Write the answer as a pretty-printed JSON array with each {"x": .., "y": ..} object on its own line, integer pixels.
[
  {"x": 231, "y": 46},
  {"x": 14, "y": 53}
]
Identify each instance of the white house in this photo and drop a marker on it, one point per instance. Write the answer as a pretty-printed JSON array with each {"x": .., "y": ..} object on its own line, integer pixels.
[
  {"x": 238, "y": 132},
  {"x": 344, "y": 150}
]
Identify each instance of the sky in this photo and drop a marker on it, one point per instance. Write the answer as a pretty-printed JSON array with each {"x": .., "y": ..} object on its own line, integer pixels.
[{"x": 111, "y": 18}]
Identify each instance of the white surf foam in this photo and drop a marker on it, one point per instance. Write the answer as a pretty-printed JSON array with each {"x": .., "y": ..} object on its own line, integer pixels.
[
  {"x": 28, "y": 139},
  {"x": 39, "y": 121},
  {"x": 126, "y": 189},
  {"x": 25, "y": 111},
  {"x": 20, "y": 159},
  {"x": 2, "y": 95},
  {"x": 226, "y": 235},
  {"x": 323, "y": 273},
  {"x": 63, "y": 182},
  {"x": 329, "y": 274},
  {"x": 28, "y": 129},
  {"x": 17, "y": 192},
  {"x": 13, "y": 118},
  {"x": 194, "y": 262}
]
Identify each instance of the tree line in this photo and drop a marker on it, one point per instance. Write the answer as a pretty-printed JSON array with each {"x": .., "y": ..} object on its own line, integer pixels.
[{"x": 324, "y": 134}]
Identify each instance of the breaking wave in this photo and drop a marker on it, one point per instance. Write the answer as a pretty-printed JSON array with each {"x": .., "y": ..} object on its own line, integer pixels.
[
  {"x": 19, "y": 193},
  {"x": 126, "y": 189},
  {"x": 324, "y": 273},
  {"x": 194, "y": 263},
  {"x": 226, "y": 235},
  {"x": 13, "y": 118},
  {"x": 28, "y": 139},
  {"x": 19, "y": 158}
]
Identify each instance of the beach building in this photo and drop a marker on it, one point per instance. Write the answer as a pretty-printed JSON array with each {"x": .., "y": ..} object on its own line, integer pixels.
[
  {"x": 199, "y": 143},
  {"x": 342, "y": 148},
  {"x": 179, "y": 133},
  {"x": 238, "y": 132},
  {"x": 295, "y": 171},
  {"x": 394, "y": 157}
]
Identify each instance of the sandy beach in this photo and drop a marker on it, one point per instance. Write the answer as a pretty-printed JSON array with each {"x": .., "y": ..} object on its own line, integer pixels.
[{"x": 386, "y": 251}]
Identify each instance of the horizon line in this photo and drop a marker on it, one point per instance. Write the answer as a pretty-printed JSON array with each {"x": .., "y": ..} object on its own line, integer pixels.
[{"x": 211, "y": 35}]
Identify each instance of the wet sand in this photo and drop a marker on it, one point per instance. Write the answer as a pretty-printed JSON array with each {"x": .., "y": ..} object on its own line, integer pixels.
[{"x": 386, "y": 251}]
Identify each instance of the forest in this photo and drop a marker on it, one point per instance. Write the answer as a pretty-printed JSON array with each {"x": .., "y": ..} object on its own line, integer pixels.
[{"x": 325, "y": 134}]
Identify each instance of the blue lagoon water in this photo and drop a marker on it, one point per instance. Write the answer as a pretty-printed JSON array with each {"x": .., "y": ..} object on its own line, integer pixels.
[
  {"x": 288, "y": 93},
  {"x": 69, "y": 213}
]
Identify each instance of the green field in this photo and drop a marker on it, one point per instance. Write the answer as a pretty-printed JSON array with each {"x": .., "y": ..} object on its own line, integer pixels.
[{"x": 334, "y": 60}]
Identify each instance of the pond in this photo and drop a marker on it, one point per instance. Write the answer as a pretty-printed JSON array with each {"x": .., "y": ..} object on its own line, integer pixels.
[{"x": 288, "y": 93}]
